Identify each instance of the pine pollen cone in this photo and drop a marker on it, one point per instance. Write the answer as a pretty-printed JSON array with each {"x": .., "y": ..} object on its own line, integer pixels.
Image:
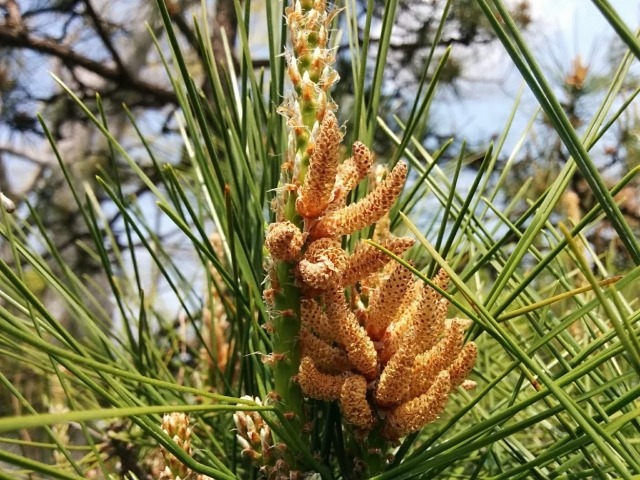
[
  {"x": 284, "y": 241},
  {"x": 354, "y": 404},
  {"x": 365, "y": 212},
  {"x": 415, "y": 414},
  {"x": 327, "y": 358},
  {"x": 343, "y": 362},
  {"x": 316, "y": 320},
  {"x": 351, "y": 172},
  {"x": 315, "y": 193},
  {"x": 428, "y": 323},
  {"x": 323, "y": 264},
  {"x": 360, "y": 348},
  {"x": 318, "y": 385},
  {"x": 367, "y": 259},
  {"x": 463, "y": 364},
  {"x": 394, "y": 384},
  {"x": 384, "y": 306},
  {"x": 429, "y": 364}
]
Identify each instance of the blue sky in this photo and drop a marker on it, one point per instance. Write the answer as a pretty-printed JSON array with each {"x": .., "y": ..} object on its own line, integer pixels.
[{"x": 561, "y": 30}]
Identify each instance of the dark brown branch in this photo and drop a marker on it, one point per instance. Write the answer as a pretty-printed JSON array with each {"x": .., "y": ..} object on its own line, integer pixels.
[
  {"x": 10, "y": 150},
  {"x": 412, "y": 46},
  {"x": 106, "y": 40},
  {"x": 13, "y": 17},
  {"x": 20, "y": 38}
]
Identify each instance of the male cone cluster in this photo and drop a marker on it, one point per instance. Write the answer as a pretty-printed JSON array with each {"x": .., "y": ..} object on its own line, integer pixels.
[
  {"x": 371, "y": 338},
  {"x": 395, "y": 361}
]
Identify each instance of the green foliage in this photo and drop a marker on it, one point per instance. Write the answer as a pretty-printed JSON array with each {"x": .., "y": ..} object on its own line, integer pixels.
[{"x": 557, "y": 381}]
